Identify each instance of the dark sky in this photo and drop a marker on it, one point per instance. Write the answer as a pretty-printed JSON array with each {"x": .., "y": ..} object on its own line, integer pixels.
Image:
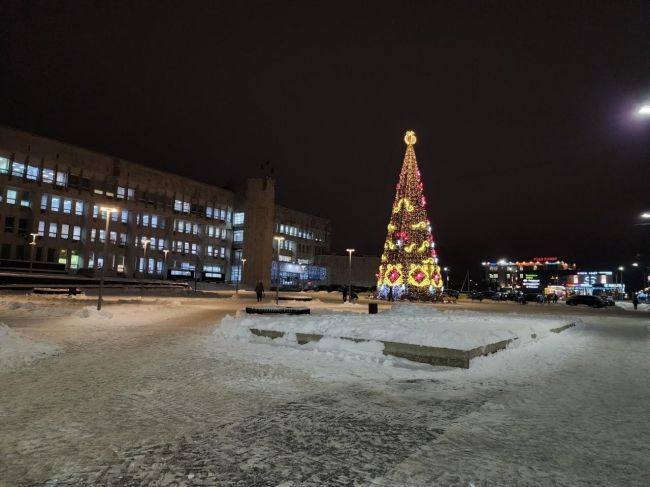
[{"x": 526, "y": 139}]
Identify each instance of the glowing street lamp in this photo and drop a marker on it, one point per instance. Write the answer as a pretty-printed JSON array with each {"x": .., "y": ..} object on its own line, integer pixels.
[
  {"x": 108, "y": 211},
  {"x": 31, "y": 252},
  {"x": 447, "y": 269},
  {"x": 277, "y": 284},
  {"x": 635, "y": 264},
  {"x": 644, "y": 110},
  {"x": 349, "y": 251},
  {"x": 241, "y": 272},
  {"x": 165, "y": 251}
]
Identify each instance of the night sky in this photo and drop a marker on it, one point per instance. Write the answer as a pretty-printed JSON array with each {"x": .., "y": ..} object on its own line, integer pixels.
[{"x": 526, "y": 139}]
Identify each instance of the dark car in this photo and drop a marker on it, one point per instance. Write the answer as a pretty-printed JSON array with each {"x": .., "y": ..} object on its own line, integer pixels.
[
  {"x": 452, "y": 293},
  {"x": 593, "y": 301}
]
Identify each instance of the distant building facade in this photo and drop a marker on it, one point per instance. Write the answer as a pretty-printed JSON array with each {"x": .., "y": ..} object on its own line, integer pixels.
[
  {"x": 271, "y": 237},
  {"x": 362, "y": 271},
  {"x": 534, "y": 274},
  {"x": 55, "y": 195}
]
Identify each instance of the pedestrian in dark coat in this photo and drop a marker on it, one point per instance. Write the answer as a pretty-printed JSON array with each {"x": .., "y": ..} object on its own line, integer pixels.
[
  {"x": 635, "y": 301},
  {"x": 259, "y": 290},
  {"x": 390, "y": 294},
  {"x": 345, "y": 294}
]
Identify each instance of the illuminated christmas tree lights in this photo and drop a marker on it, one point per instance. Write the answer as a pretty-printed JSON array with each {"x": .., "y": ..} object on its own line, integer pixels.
[{"x": 409, "y": 263}]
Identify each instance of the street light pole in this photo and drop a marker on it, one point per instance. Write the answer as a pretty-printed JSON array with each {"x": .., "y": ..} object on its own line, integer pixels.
[
  {"x": 242, "y": 262},
  {"x": 277, "y": 283},
  {"x": 31, "y": 251},
  {"x": 446, "y": 269},
  {"x": 166, "y": 251},
  {"x": 101, "y": 279},
  {"x": 349, "y": 251},
  {"x": 145, "y": 241}
]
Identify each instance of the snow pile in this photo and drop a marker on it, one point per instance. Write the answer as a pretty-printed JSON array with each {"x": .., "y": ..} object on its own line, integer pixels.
[
  {"x": 334, "y": 358},
  {"x": 16, "y": 350},
  {"x": 418, "y": 325}
]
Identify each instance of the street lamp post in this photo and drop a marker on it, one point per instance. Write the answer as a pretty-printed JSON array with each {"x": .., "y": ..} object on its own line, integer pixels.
[
  {"x": 104, "y": 262},
  {"x": 242, "y": 263},
  {"x": 349, "y": 251},
  {"x": 145, "y": 241},
  {"x": 166, "y": 251},
  {"x": 447, "y": 269},
  {"x": 32, "y": 245},
  {"x": 277, "y": 283}
]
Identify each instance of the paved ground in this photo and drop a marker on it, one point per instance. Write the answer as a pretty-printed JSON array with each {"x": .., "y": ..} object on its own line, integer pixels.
[{"x": 135, "y": 400}]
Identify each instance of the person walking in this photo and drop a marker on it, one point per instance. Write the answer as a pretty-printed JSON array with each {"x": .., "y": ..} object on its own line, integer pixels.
[
  {"x": 390, "y": 293},
  {"x": 345, "y": 294},
  {"x": 635, "y": 301},
  {"x": 259, "y": 291}
]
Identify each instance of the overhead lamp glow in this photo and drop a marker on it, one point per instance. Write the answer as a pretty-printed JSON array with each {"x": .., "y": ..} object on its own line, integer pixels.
[
  {"x": 644, "y": 110},
  {"x": 645, "y": 215}
]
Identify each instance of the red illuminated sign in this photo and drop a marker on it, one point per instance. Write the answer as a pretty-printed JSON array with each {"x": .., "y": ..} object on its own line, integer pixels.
[{"x": 545, "y": 259}]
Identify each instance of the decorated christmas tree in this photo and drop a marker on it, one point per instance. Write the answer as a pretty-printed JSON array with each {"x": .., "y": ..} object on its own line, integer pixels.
[{"x": 409, "y": 264}]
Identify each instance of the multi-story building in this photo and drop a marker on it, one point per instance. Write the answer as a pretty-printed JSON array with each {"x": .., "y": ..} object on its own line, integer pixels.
[
  {"x": 59, "y": 197},
  {"x": 534, "y": 274},
  {"x": 56, "y": 198}
]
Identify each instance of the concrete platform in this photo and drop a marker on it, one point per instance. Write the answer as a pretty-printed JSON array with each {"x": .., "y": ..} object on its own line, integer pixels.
[{"x": 449, "y": 357}]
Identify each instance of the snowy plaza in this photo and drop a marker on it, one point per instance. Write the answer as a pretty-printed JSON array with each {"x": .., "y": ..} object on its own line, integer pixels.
[{"x": 174, "y": 391}]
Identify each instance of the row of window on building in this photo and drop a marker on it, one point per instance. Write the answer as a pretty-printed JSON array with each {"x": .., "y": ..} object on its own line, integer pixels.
[
  {"x": 294, "y": 231},
  {"x": 62, "y": 179}
]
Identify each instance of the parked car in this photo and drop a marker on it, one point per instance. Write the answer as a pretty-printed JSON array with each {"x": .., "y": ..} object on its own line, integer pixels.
[
  {"x": 453, "y": 293},
  {"x": 593, "y": 301}
]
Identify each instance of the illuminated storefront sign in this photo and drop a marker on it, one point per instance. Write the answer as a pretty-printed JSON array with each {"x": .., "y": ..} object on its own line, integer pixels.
[{"x": 531, "y": 281}]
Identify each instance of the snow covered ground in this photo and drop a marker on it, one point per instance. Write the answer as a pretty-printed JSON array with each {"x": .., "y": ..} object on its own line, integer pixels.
[
  {"x": 151, "y": 393},
  {"x": 16, "y": 351}
]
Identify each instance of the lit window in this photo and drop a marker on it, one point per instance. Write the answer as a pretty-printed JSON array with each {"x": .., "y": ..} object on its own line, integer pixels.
[
  {"x": 208, "y": 212},
  {"x": 93, "y": 234},
  {"x": 102, "y": 235},
  {"x": 113, "y": 236},
  {"x": 130, "y": 194},
  {"x": 178, "y": 205},
  {"x": 125, "y": 216},
  {"x": 61, "y": 178},
  {"x": 145, "y": 220},
  {"x": 238, "y": 218},
  {"x": 67, "y": 206},
  {"x": 52, "y": 231},
  {"x": 25, "y": 199},
  {"x": 32, "y": 173},
  {"x": 55, "y": 203},
  {"x": 238, "y": 236},
  {"x": 48, "y": 175},
  {"x": 44, "y": 202},
  {"x": 121, "y": 192},
  {"x": 12, "y": 194},
  {"x": 154, "y": 221},
  {"x": 4, "y": 165},
  {"x": 78, "y": 207},
  {"x": 95, "y": 211},
  {"x": 18, "y": 169},
  {"x": 98, "y": 191},
  {"x": 65, "y": 230},
  {"x": 186, "y": 207},
  {"x": 76, "y": 233}
]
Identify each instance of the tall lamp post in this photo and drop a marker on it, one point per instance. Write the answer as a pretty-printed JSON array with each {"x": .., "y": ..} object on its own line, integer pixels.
[
  {"x": 104, "y": 262},
  {"x": 277, "y": 282},
  {"x": 145, "y": 241},
  {"x": 241, "y": 272},
  {"x": 166, "y": 251},
  {"x": 446, "y": 269},
  {"x": 32, "y": 246},
  {"x": 349, "y": 251}
]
